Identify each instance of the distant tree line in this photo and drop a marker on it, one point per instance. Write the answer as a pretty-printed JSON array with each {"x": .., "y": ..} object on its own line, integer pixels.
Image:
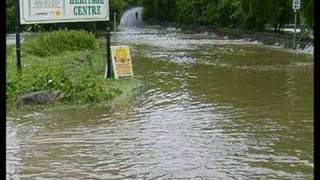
[
  {"x": 252, "y": 15},
  {"x": 244, "y": 14}
]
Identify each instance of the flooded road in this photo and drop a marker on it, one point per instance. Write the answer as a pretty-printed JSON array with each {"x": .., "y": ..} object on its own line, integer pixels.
[{"x": 211, "y": 108}]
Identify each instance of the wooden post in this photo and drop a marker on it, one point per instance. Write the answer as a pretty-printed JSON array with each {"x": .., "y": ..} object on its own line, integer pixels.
[
  {"x": 109, "y": 63},
  {"x": 115, "y": 22},
  {"x": 17, "y": 29},
  {"x": 95, "y": 29}
]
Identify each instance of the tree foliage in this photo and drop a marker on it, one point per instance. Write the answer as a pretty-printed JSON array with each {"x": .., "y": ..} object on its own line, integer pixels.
[
  {"x": 10, "y": 15},
  {"x": 245, "y": 14},
  {"x": 308, "y": 13}
]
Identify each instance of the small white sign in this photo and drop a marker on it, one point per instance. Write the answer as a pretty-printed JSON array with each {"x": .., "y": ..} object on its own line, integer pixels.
[
  {"x": 296, "y": 4},
  {"x": 55, "y": 11}
]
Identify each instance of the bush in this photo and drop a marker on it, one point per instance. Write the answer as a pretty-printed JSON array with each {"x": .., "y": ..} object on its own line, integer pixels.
[
  {"x": 67, "y": 61},
  {"x": 54, "y": 43},
  {"x": 86, "y": 88}
]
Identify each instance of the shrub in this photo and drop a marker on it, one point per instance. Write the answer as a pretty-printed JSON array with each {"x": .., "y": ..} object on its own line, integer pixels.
[
  {"x": 67, "y": 61},
  {"x": 56, "y": 42},
  {"x": 87, "y": 88}
]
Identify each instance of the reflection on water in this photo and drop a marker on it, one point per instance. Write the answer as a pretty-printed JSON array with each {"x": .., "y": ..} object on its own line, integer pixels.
[{"x": 204, "y": 115}]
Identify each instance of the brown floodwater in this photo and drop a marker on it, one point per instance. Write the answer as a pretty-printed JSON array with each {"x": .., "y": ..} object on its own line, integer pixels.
[{"x": 210, "y": 108}]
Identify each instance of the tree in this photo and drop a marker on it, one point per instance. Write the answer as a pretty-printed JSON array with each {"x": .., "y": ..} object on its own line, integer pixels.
[
  {"x": 10, "y": 15},
  {"x": 281, "y": 13},
  {"x": 161, "y": 10},
  {"x": 307, "y": 13}
]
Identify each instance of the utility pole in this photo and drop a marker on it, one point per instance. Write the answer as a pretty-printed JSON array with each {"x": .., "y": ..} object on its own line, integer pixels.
[{"x": 17, "y": 29}]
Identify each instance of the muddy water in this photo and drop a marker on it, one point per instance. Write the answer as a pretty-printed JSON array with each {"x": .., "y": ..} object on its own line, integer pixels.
[{"x": 211, "y": 108}]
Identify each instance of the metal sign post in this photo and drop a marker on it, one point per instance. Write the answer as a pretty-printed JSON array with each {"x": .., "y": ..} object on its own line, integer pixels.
[
  {"x": 17, "y": 28},
  {"x": 296, "y": 6},
  {"x": 295, "y": 28}
]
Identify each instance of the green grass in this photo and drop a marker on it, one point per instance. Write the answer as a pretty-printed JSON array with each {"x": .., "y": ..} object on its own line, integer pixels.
[{"x": 74, "y": 66}]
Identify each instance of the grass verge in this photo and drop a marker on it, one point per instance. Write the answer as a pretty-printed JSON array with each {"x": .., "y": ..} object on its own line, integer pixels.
[{"x": 69, "y": 61}]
